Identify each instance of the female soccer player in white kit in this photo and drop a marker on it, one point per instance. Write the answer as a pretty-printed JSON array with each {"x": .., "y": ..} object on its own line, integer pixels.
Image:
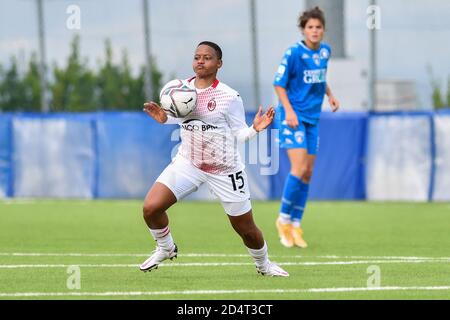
[{"x": 208, "y": 154}]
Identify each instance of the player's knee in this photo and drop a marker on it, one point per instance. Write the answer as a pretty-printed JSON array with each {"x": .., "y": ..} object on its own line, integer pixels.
[
  {"x": 307, "y": 175},
  {"x": 300, "y": 172},
  {"x": 150, "y": 209}
]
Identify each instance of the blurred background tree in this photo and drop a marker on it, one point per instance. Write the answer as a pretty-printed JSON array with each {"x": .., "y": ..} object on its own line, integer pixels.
[
  {"x": 448, "y": 91},
  {"x": 73, "y": 88},
  {"x": 108, "y": 82},
  {"x": 32, "y": 85},
  {"x": 440, "y": 99},
  {"x": 76, "y": 87},
  {"x": 12, "y": 89}
]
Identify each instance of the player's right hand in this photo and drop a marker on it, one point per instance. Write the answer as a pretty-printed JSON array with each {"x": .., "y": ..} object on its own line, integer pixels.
[
  {"x": 154, "y": 110},
  {"x": 291, "y": 119}
]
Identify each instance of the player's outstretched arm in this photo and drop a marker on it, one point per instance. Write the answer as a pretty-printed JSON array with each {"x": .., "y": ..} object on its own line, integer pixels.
[
  {"x": 261, "y": 120},
  {"x": 154, "y": 110},
  {"x": 236, "y": 120}
]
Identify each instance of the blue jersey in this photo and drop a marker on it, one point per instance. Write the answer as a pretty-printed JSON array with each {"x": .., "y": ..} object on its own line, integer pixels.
[{"x": 302, "y": 73}]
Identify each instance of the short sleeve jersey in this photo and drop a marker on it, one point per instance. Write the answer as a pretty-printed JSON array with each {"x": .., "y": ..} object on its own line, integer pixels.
[
  {"x": 208, "y": 133},
  {"x": 302, "y": 72}
]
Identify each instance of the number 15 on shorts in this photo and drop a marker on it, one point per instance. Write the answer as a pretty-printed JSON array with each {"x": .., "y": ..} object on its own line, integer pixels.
[{"x": 237, "y": 181}]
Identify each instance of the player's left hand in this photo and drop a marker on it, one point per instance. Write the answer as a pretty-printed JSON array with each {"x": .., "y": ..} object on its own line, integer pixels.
[
  {"x": 334, "y": 103},
  {"x": 262, "y": 121}
]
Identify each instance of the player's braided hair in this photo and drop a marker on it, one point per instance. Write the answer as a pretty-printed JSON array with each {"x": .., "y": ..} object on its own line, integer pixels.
[
  {"x": 314, "y": 13},
  {"x": 214, "y": 46}
]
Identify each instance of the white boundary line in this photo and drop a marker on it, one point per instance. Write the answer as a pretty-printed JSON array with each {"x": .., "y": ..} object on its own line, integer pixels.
[
  {"x": 209, "y": 292},
  {"x": 210, "y": 264},
  {"x": 224, "y": 255}
]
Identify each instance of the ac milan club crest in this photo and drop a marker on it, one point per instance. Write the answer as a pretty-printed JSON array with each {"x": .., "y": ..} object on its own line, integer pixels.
[{"x": 211, "y": 104}]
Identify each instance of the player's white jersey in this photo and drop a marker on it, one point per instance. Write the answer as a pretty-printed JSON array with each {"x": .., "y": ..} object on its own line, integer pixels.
[{"x": 208, "y": 133}]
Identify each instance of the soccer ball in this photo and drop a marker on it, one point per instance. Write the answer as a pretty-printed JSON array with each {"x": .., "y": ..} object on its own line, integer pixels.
[{"x": 178, "y": 98}]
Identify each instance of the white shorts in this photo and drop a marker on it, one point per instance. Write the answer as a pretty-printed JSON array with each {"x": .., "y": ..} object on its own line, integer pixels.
[{"x": 182, "y": 178}]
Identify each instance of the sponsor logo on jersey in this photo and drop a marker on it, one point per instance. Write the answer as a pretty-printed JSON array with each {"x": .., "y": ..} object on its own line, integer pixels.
[
  {"x": 305, "y": 56},
  {"x": 211, "y": 104},
  {"x": 324, "y": 53},
  {"x": 287, "y": 132},
  {"x": 284, "y": 122},
  {"x": 281, "y": 70},
  {"x": 289, "y": 141},
  {"x": 316, "y": 59},
  {"x": 197, "y": 125},
  {"x": 314, "y": 76},
  {"x": 299, "y": 136}
]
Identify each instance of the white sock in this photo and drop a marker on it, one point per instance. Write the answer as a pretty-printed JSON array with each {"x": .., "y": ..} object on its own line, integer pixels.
[
  {"x": 163, "y": 237},
  {"x": 296, "y": 224},
  {"x": 285, "y": 218},
  {"x": 260, "y": 256}
]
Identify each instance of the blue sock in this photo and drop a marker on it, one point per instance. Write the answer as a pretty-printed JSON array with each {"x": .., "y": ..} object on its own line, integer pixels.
[
  {"x": 290, "y": 194},
  {"x": 298, "y": 206}
]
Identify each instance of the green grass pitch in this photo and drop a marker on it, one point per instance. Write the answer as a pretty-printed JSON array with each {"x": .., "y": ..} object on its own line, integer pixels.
[{"x": 407, "y": 244}]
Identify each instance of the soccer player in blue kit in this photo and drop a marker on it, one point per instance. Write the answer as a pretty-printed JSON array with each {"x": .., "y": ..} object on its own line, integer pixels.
[{"x": 300, "y": 83}]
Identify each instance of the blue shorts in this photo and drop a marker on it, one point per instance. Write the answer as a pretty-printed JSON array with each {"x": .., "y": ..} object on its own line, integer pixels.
[{"x": 305, "y": 136}]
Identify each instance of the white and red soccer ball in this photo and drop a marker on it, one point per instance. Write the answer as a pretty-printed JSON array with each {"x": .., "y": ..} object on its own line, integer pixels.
[{"x": 178, "y": 98}]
